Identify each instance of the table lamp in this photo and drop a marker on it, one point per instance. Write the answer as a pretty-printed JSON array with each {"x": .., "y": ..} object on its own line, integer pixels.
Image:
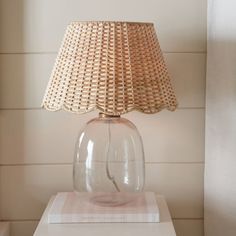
[{"x": 114, "y": 67}]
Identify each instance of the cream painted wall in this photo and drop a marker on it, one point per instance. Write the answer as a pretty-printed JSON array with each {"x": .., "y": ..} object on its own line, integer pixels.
[
  {"x": 36, "y": 146},
  {"x": 220, "y": 172}
]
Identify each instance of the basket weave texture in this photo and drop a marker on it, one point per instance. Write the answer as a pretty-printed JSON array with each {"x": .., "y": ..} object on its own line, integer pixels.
[{"x": 115, "y": 67}]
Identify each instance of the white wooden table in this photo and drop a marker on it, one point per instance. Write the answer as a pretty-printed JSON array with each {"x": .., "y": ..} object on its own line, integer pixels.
[{"x": 164, "y": 228}]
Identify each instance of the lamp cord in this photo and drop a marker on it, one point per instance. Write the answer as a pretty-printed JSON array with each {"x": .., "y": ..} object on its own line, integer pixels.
[{"x": 110, "y": 177}]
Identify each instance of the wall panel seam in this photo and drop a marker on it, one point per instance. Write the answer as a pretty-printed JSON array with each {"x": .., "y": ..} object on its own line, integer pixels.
[
  {"x": 70, "y": 164},
  {"x": 28, "y": 220},
  {"x": 39, "y": 108},
  {"x": 190, "y": 218},
  {"x": 55, "y": 53}
]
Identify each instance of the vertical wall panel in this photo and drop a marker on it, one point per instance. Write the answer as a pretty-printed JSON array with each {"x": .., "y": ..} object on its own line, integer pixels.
[{"x": 220, "y": 171}]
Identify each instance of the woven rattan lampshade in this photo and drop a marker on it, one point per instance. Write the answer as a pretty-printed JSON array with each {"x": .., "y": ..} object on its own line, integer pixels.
[{"x": 115, "y": 67}]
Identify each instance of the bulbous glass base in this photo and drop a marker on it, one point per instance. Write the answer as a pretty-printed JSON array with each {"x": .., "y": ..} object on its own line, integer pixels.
[{"x": 109, "y": 160}]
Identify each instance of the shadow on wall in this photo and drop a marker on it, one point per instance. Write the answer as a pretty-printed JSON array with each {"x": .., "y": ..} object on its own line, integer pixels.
[
  {"x": 12, "y": 84},
  {"x": 12, "y": 74}
]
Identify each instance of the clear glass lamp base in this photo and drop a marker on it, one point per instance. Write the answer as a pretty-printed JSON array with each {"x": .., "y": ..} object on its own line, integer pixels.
[
  {"x": 111, "y": 198},
  {"x": 109, "y": 161}
]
